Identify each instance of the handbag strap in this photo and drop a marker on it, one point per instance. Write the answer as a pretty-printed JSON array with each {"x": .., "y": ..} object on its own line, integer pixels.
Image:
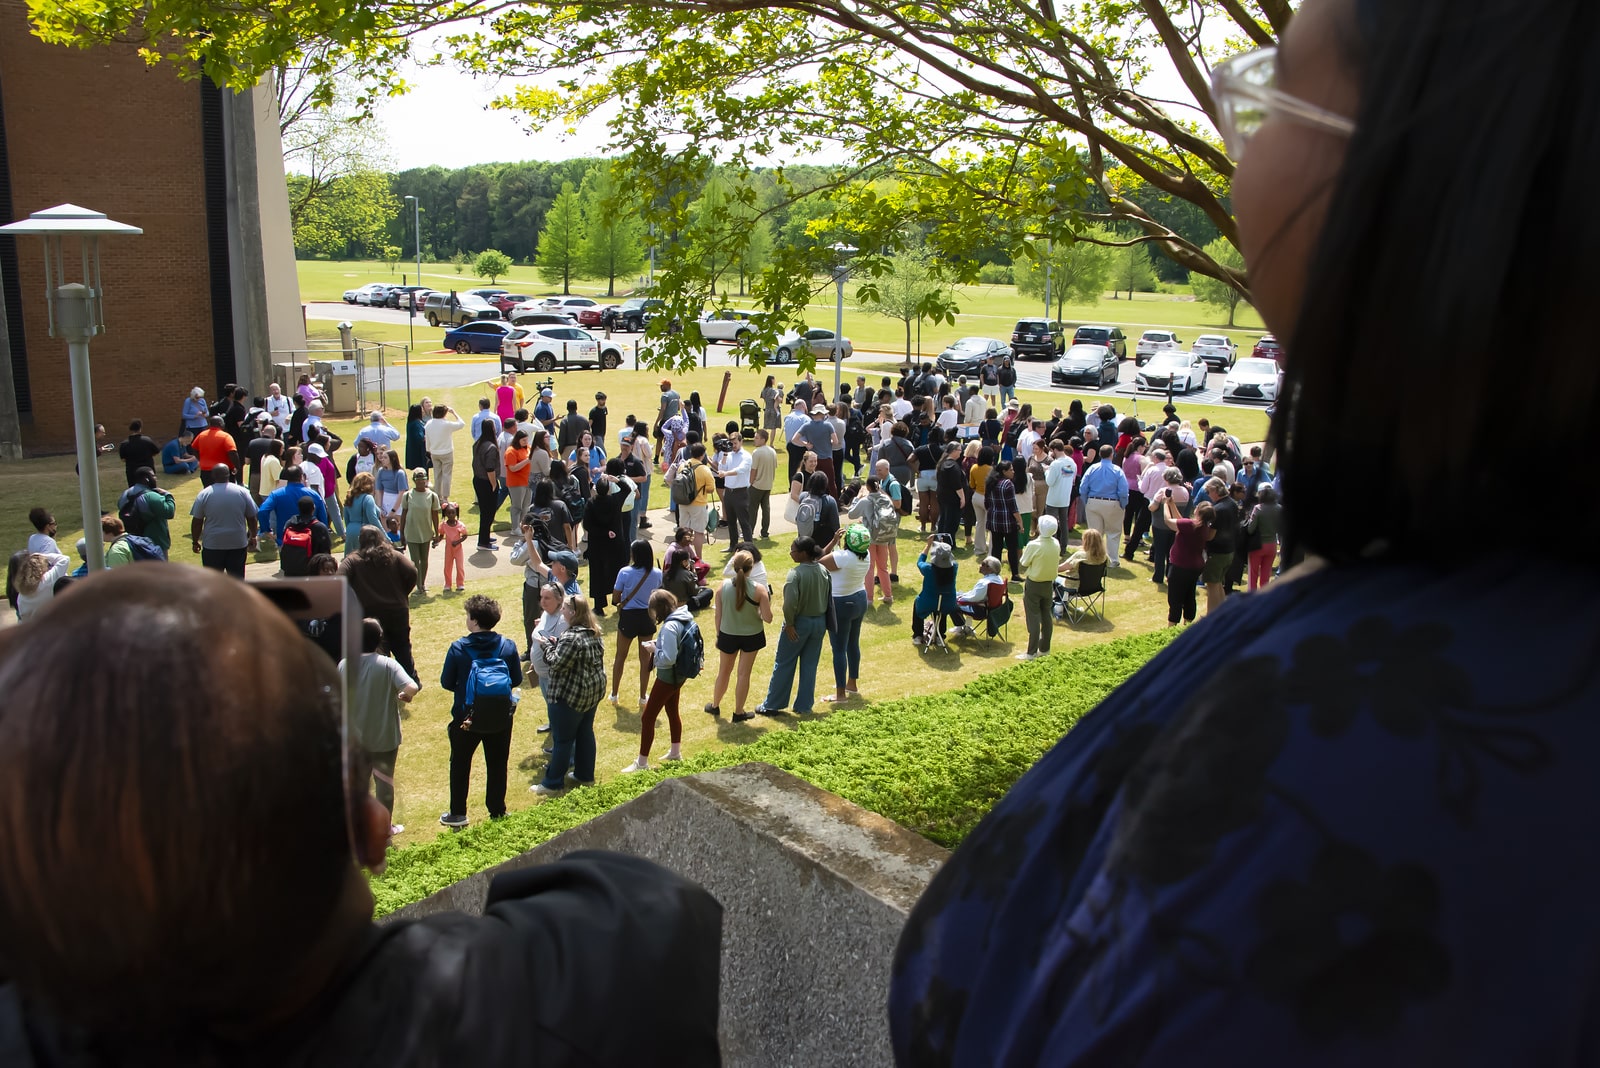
[{"x": 637, "y": 587}]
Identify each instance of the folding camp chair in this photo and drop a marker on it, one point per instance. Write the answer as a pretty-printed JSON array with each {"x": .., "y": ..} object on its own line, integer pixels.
[
  {"x": 1088, "y": 599},
  {"x": 994, "y": 613}
]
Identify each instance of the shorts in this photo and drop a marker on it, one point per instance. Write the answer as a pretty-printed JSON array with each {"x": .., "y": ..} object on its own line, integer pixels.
[
  {"x": 693, "y": 516},
  {"x": 1216, "y": 568},
  {"x": 740, "y": 643},
  {"x": 636, "y": 623}
]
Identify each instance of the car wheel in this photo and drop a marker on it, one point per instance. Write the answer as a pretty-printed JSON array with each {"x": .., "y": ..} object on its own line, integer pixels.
[
  {"x": 1116, "y": 375},
  {"x": 544, "y": 362},
  {"x": 611, "y": 359},
  {"x": 463, "y": 347},
  {"x": 782, "y": 356},
  {"x": 433, "y": 320}
]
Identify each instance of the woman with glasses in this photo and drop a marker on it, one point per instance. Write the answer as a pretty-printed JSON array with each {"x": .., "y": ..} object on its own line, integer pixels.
[{"x": 1350, "y": 819}]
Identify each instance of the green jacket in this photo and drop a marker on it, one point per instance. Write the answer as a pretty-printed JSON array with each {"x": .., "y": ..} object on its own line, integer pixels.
[{"x": 806, "y": 592}]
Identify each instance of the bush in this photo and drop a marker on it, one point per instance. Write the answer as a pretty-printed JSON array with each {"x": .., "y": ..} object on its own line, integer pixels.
[
  {"x": 935, "y": 764},
  {"x": 997, "y": 274}
]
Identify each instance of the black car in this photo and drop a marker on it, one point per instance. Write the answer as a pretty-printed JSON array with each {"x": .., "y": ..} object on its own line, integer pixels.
[
  {"x": 631, "y": 315},
  {"x": 400, "y": 296},
  {"x": 1109, "y": 336},
  {"x": 1038, "y": 337},
  {"x": 967, "y": 355},
  {"x": 1089, "y": 365}
]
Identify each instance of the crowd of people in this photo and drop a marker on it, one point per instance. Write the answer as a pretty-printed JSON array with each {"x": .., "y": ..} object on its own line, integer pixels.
[{"x": 1039, "y": 503}]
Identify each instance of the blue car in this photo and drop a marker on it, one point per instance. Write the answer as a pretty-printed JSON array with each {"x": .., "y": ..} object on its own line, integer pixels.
[{"x": 483, "y": 336}]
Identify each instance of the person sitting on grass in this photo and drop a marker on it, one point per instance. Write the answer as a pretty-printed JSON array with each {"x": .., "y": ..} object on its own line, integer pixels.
[{"x": 156, "y": 915}]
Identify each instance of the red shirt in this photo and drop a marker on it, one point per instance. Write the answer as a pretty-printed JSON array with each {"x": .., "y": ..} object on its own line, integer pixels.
[
  {"x": 1189, "y": 546},
  {"x": 212, "y": 446}
]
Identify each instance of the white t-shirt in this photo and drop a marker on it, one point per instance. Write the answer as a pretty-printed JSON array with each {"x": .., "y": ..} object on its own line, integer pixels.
[
  {"x": 42, "y": 543},
  {"x": 852, "y": 574},
  {"x": 314, "y": 478},
  {"x": 279, "y": 409},
  {"x": 758, "y": 574},
  {"x": 900, "y": 407},
  {"x": 1025, "y": 442},
  {"x": 949, "y": 419}
]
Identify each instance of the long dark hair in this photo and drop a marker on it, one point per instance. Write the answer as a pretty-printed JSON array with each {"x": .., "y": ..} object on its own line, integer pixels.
[{"x": 1452, "y": 147}]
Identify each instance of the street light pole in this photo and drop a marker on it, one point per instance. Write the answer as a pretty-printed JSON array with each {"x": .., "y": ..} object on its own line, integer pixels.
[
  {"x": 75, "y": 312},
  {"x": 411, "y": 302},
  {"x": 841, "y": 272}
]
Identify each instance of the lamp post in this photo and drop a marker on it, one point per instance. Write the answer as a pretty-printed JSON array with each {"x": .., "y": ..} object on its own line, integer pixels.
[
  {"x": 411, "y": 301},
  {"x": 841, "y": 272},
  {"x": 75, "y": 312}
]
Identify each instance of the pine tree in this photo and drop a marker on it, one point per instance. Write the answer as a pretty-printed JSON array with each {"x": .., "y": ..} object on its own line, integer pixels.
[
  {"x": 561, "y": 240},
  {"x": 613, "y": 242}
]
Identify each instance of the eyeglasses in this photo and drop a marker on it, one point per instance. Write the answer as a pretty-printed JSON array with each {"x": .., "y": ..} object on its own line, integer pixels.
[{"x": 1246, "y": 91}]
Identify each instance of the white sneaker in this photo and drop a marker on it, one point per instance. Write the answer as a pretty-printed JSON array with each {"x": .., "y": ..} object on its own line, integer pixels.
[
  {"x": 673, "y": 759},
  {"x": 918, "y": 642},
  {"x": 613, "y": 698},
  {"x": 544, "y": 791},
  {"x": 1025, "y": 656},
  {"x": 637, "y": 765}
]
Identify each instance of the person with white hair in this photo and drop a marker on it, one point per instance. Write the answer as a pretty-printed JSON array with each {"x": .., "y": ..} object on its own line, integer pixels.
[
  {"x": 378, "y": 431},
  {"x": 279, "y": 408},
  {"x": 1040, "y": 559},
  {"x": 195, "y": 411}
]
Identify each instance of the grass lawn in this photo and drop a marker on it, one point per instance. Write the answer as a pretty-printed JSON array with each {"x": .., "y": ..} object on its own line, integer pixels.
[
  {"x": 893, "y": 669},
  {"x": 989, "y": 311}
]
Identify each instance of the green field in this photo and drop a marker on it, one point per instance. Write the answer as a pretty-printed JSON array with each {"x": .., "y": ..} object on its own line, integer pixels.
[{"x": 988, "y": 311}]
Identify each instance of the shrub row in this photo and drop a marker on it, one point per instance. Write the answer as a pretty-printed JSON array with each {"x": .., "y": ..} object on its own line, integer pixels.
[{"x": 935, "y": 763}]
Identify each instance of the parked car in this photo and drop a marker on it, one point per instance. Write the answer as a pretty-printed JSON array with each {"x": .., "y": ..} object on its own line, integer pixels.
[
  {"x": 1152, "y": 342},
  {"x": 1219, "y": 352},
  {"x": 964, "y": 357},
  {"x": 1038, "y": 337},
  {"x": 557, "y": 348},
  {"x": 570, "y": 305},
  {"x": 820, "y": 342},
  {"x": 506, "y": 301},
  {"x": 1268, "y": 348},
  {"x": 1181, "y": 372},
  {"x": 1253, "y": 379},
  {"x": 633, "y": 314},
  {"x": 483, "y": 336},
  {"x": 1093, "y": 365},
  {"x": 402, "y": 296},
  {"x": 364, "y": 294},
  {"x": 487, "y": 292},
  {"x": 455, "y": 310},
  {"x": 541, "y": 318},
  {"x": 1111, "y": 337},
  {"x": 727, "y": 325},
  {"x": 595, "y": 315}
]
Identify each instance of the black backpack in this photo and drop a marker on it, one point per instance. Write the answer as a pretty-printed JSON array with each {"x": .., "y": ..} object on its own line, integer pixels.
[{"x": 131, "y": 510}]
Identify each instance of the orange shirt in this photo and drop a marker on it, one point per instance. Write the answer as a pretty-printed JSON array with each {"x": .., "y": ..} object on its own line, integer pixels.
[
  {"x": 517, "y": 478},
  {"x": 212, "y": 446}
]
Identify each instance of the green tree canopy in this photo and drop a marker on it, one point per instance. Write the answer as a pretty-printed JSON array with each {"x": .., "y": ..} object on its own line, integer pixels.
[
  {"x": 349, "y": 217},
  {"x": 613, "y": 241},
  {"x": 492, "y": 264},
  {"x": 561, "y": 241},
  {"x": 1075, "y": 272},
  {"x": 911, "y": 291},
  {"x": 1131, "y": 270},
  {"x": 1212, "y": 292}
]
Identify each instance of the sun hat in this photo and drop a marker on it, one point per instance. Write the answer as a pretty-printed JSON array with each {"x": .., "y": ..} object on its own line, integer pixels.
[{"x": 939, "y": 555}]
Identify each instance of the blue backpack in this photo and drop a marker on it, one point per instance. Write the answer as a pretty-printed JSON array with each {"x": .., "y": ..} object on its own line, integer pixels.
[
  {"x": 143, "y": 548},
  {"x": 489, "y": 698}
]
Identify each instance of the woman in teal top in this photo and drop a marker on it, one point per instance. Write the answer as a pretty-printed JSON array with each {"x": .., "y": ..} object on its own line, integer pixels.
[{"x": 360, "y": 510}]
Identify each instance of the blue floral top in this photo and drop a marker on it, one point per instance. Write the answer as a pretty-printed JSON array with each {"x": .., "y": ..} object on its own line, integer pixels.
[{"x": 1368, "y": 837}]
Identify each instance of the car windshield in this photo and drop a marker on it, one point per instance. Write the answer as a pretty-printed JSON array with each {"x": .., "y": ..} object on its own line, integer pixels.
[
  {"x": 1256, "y": 367},
  {"x": 1176, "y": 361},
  {"x": 1092, "y": 332},
  {"x": 970, "y": 344},
  {"x": 1079, "y": 353},
  {"x": 1032, "y": 326}
]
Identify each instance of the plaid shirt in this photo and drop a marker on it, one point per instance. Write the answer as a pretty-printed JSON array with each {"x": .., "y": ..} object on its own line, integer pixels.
[
  {"x": 577, "y": 673},
  {"x": 1001, "y": 505}
]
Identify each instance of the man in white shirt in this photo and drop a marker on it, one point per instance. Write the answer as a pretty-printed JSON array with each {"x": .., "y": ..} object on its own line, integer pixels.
[
  {"x": 1028, "y": 435},
  {"x": 733, "y": 464},
  {"x": 900, "y": 407},
  {"x": 279, "y": 409},
  {"x": 949, "y": 418},
  {"x": 313, "y": 421},
  {"x": 379, "y": 432},
  {"x": 1059, "y": 477},
  {"x": 439, "y": 436}
]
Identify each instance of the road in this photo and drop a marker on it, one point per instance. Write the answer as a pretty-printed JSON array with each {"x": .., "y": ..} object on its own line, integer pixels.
[{"x": 1031, "y": 374}]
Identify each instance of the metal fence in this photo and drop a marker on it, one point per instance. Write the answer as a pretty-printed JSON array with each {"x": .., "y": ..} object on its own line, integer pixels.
[{"x": 369, "y": 385}]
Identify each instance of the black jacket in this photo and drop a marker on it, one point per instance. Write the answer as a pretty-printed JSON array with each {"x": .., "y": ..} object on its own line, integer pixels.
[{"x": 596, "y": 959}]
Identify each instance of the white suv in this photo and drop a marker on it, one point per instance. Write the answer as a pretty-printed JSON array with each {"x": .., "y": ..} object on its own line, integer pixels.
[{"x": 1152, "y": 342}]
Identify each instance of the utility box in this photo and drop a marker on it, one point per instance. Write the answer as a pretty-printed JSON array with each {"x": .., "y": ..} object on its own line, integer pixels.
[
  {"x": 341, "y": 382},
  {"x": 288, "y": 375}
]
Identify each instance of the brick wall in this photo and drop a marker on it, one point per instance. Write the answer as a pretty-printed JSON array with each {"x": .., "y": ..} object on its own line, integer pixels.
[{"x": 100, "y": 129}]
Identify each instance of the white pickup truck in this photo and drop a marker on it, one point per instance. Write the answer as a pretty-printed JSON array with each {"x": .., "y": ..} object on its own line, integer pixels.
[{"x": 726, "y": 325}]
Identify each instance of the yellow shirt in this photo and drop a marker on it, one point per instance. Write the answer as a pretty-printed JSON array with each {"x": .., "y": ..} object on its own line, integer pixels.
[
  {"x": 977, "y": 477},
  {"x": 705, "y": 483},
  {"x": 1040, "y": 559}
]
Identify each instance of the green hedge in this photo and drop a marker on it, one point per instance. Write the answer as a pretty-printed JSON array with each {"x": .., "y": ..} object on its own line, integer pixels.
[{"x": 934, "y": 763}]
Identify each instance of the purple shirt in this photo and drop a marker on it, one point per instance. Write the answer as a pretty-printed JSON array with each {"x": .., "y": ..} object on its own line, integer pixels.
[{"x": 1132, "y": 465}]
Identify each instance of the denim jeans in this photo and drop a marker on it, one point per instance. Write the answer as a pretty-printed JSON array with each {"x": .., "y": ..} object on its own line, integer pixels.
[
  {"x": 572, "y": 732},
  {"x": 805, "y": 651},
  {"x": 845, "y": 637}
]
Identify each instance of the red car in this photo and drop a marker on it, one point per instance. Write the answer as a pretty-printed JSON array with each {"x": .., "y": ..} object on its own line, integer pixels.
[
  {"x": 1268, "y": 348},
  {"x": 591, "y": 316},
  {"x": 504, "y": 302}
]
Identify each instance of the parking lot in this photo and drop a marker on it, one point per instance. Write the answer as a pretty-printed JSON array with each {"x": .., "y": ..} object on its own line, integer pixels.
[{"x": 1032, "y": 374}]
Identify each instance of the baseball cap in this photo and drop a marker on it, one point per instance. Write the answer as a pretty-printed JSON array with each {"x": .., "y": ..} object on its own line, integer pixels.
[
  {"x": 666, "y": 383},
  {"x": 547, "y": 392},
  {"x": 421, "y": 472},
  {"x": 316, "y": 450},
  {"x": 566, "y": 559}
]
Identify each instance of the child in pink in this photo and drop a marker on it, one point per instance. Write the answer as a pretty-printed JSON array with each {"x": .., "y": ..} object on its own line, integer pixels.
[{"x": 454, "y": 532}]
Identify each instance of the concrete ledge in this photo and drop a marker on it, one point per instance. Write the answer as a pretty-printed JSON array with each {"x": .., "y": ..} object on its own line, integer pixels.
[{"x": 815, "y": 892}]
